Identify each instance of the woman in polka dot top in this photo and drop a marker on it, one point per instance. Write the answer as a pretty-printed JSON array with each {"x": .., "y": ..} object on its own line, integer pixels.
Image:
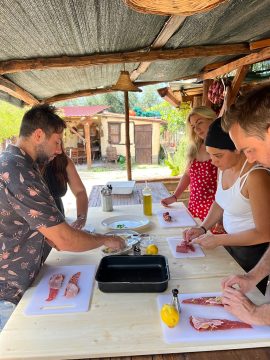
[{"x": 200, "y": 174}]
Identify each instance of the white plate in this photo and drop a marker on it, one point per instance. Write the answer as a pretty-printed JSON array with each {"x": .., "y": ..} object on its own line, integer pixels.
[
  {"x": 131, "y": 238},
  {"x": 124, "y": 222},
  {"x": 105, "y": 251}
]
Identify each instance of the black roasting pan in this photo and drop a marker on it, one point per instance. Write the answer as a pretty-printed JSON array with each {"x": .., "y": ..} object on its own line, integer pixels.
[{"x": 129, "y": 273}]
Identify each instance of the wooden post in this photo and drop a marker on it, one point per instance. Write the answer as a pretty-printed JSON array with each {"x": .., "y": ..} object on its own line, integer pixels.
[
  {"x": 88, "y": 144},
  {"x": 206, "y": 85},
  {"x": 128, "y": 157},
  {"x": 197, "y": 101}
]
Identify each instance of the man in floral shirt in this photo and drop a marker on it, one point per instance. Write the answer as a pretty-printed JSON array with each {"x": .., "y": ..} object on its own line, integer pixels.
[{"x": 28, "y": 211}]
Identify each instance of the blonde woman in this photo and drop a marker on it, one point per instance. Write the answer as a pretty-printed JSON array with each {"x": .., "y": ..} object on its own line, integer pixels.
[{"x": 200, "y": 174}]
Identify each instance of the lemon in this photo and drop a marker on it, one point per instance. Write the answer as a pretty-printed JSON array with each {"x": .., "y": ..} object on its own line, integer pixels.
[
  {"x": 169, "y": 315},
  {"x": 152, "y": 250}
]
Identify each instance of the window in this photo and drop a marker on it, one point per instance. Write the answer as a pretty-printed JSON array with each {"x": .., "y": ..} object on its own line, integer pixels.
[{"x": 114, "y": 133}]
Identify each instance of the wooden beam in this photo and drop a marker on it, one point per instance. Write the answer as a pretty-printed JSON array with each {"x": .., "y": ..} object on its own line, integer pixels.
[
  {"x": 259, "y": 44},
  {"x": 165, "y": 34},
  {"x": 70, "y": 127},
  {"x": 63, "y": 62},
  {"x": 232, "y": 91},
  {"x": 206, "y": 85},
  {"x": 17, "y": 92},
  {"x": 88, "y": 144},
  {"x": 76, "y": 94},
  {"x": 246, "y": 60},
  {"x": 128, "y": 156},
  {"x": 236, "y": 83},
  {"x": 215, "y": 65},
  {"x": 196, "y": 101},
  {"x": 193, "y": 91}
]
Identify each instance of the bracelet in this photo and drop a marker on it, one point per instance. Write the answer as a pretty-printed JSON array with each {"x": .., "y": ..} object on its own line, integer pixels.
[
  {"x": 173, "y": 195},
  {"x": 204, "y": 229},
  {"x": 81, "y": 217}
]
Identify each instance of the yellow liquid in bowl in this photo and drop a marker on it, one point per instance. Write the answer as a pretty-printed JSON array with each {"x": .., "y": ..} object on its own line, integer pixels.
[{"x": 147, "y": 205}]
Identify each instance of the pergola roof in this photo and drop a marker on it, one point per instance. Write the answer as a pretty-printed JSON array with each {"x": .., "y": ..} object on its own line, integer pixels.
[{"x": 105, "y": 34}]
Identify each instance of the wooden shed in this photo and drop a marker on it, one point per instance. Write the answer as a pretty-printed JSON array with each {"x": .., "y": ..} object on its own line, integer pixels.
[{"x": 144, "y": 136}]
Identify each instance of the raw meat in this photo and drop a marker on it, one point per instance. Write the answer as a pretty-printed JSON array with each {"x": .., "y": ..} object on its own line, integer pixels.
[
  {"x": 72, "y": 288},
  {"x": 202, "y": 324},
  {"x": 205, "y": 300},
  {"x": 55, "y": 284},
  {"x": 185, "y": 247},
  {"x": 167, "y": 217}
]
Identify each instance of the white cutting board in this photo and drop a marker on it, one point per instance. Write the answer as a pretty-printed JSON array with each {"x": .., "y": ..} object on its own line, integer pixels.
[
  {"x": 180, "y": 217},
  {"x": 80, "y": 303},
  {"x": 184, "y": 332},
  {"x": 173, "y": 241}
]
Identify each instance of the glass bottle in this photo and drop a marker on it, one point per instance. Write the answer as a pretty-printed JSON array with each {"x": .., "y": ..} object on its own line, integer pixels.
[
  {"x": 147, "y": 200},
  {"x": 175, "y": 300}
]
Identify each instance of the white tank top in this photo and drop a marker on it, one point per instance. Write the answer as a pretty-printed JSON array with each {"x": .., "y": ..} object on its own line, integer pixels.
[{"x": 237, "y": 215}]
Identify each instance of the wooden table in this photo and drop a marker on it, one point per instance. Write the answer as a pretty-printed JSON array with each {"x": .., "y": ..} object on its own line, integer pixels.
[
  {"x": 125, "y": 324},
  {"x": 159, "y": 192}
]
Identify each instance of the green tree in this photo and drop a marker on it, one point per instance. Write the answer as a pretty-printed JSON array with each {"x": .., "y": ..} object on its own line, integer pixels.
[
  {"x": 178, "y": 161},
  {"x": 10, "y": 118},
  {"x": 115, "y": 100},
  {"x": 175, "y": 118},
  {"x": 149, "y": 97}
]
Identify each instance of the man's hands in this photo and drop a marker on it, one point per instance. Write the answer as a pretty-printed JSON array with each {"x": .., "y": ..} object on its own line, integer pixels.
[
  {"x": 240, "y": 306},
  {"x": 245, "y": 282},
  {"x": 114, "y": 242}
]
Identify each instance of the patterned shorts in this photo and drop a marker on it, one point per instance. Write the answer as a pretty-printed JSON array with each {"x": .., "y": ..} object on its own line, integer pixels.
[{"x": 6, "y": 309}]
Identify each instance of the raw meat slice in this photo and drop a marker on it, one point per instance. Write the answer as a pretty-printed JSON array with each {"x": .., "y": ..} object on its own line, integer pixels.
[
  {"x": 205, "y": 300},
  {"x": 167, "y": 217},
  {"x": 55, "y": 284},
  {"x": 185, "y": 247},
  {"x": 72, "y": 288},
  {"x": 202, "y": 324}
]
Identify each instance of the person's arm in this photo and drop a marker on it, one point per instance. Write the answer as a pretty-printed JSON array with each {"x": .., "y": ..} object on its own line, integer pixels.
[
  {"x": 66, "y": 238},
  {"x": 181, "y": 187},
  {"x": 258, "y": 184},
  {"x": 214, "y": 215},
  {"x": 240, "y": 306},
  {"x": 253, "y": 277},
  {"x": 79, "y": 191}
]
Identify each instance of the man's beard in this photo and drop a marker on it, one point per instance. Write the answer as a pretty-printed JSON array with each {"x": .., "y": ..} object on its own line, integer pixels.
[{"x": 42, "y": 156}]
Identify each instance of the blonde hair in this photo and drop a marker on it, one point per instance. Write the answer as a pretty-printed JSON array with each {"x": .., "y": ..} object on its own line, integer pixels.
[{"x": 195, "y": 141}]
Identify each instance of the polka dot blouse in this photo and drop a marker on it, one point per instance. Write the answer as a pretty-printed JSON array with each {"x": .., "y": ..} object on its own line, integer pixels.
[{"x": 203, "y": 186}]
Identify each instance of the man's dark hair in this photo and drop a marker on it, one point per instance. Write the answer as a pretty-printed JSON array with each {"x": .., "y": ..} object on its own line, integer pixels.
[
  {"x": 42, "y": 117},
  {"x": 251, "y": 111}
]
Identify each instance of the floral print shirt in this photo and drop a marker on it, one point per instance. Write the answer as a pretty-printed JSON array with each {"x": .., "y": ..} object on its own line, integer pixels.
[{"x": 25, "y": 205}]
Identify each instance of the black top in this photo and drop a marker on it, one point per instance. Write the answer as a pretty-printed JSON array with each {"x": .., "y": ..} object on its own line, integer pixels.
[{"x": 57, "y": 188}]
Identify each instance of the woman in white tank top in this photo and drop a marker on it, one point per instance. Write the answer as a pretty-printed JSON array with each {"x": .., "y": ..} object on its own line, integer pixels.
[{"x": 242, "y": 201}]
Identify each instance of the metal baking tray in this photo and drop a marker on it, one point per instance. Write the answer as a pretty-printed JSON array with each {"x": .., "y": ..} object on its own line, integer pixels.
[{"x": 131, "y": 273}]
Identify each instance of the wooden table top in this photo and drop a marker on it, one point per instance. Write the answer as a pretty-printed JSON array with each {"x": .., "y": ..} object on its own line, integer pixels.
[
  {"x": 125, "y": 324},
  {"x": 159, "y": 192}
]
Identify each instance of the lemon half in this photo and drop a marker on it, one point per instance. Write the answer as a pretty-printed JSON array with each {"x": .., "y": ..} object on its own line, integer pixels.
[
  {"x": 169, "y": 315},
  {"x": 152, "y": 250}
]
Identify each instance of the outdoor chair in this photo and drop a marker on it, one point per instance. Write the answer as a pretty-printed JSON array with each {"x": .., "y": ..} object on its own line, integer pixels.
[{"x": 78, "y": 156}]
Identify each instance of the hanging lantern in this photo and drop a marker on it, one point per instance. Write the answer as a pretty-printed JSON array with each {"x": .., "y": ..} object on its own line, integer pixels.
[
  {"x": 124, "y": 83},
  {"x": 173, "y": 7}
]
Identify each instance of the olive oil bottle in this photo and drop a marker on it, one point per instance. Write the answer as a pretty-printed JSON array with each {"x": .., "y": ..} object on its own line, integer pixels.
[{"x": 147, "y": 200}]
